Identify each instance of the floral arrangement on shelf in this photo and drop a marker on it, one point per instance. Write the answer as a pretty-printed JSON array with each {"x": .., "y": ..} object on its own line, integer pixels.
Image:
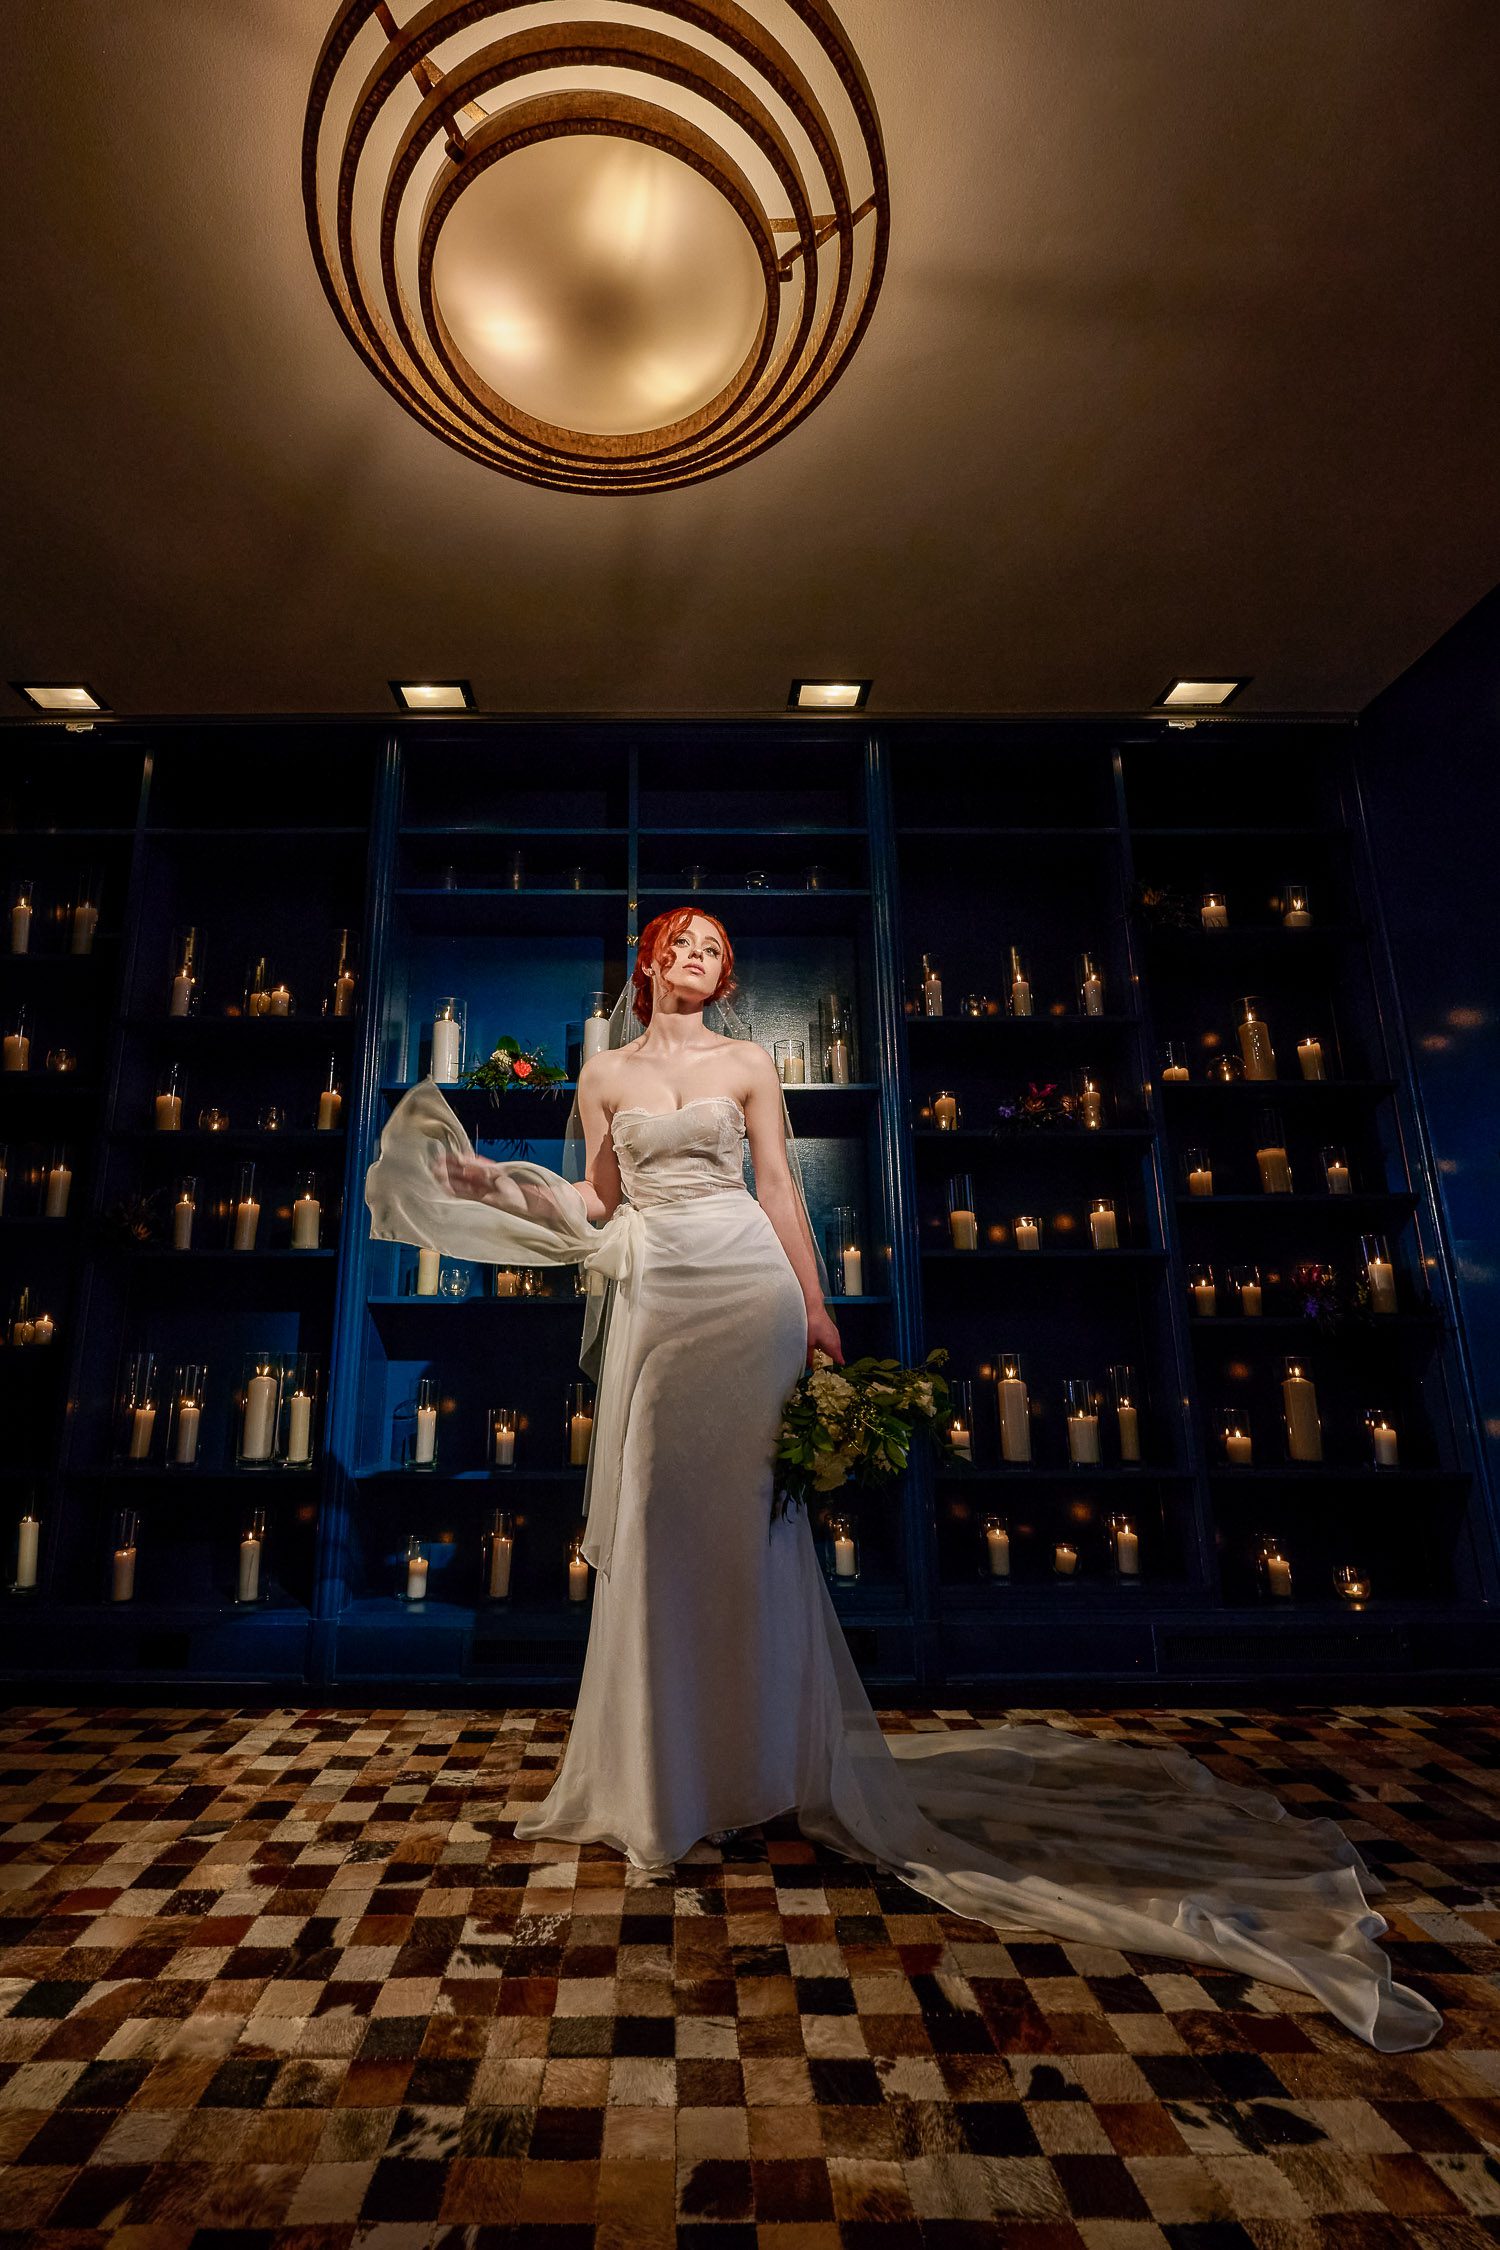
[
  {"x": 1162, "y": 906},
  {"x": 1037, "y": 1110},
  {"x": 856, "y": 1424},
  {"x": 1316, "y": 1288},
  {"x": 512, "y": 1068}
]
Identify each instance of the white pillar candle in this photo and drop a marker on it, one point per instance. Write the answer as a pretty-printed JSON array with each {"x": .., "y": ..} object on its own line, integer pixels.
[
  {"x": 182, "y": 1223},
  {"x": 416, "y": 1578},
  {"x": 1092, "y": 994},
  {"x": 246, "y": 1220},
  {"x": 22, "y": 1329},
  {"x": 961, "y": 1441},
  {"x": 1256, "y": 1049},
  {"x": 1304, "y": 1432},
  {"x": 1250, "y": 1299},
  {"x": 428, "y": 1264},
  {"x": 1238, "y": 1448},
  {"x": 505, "y": 1449},
  {"x": 997, "y": 1548},
  {"x": 168, "y": 1110},
  {"x": 795, "y": 1071},
  {"x": 1339, "y": 1182},
  {"x": 43, "y": 1328},
  {"x": 1091, "y": 1108},
  {"x": 1015, "y": 1420},
  {"x": 258, "y": 1429},
  {"x": 1064, "y": 1559},
  {"x": 299, "y": 1426},
  {"x": 1275, "y": 1169},
  {"x": 1020, "y": 996},
  {"x": 85, "y": 922},
  {"x": 307, "y": 1213},
  {"x": 330, "y": 1109},
  {"x": 1310, "y": 1055},
  {"x": 343, "y": 993},
  {"x": 578, "y": 1579},
  {"x": 142, "y": 1424},
  {"x": 1083, "y": 1439},
  {"x": 595, "y": 1035},
  {"x": 501, "y": 1550},
  {"x": 17, "y": 1051},
  {"x": 122, "y": 1575},
  {"x": 1103, "y": 1228},
  {"x": 1214, "y": 914},
  {"x": 1130, "y": 1431},
  {"x": 1127, "y": 1553},
  {"x": 20, "y": 927},
  {"x": 446, "y": 1047},
  {"x": 580, "y": 1430},
  {"x": 1205, "y": 1299},
  {"x": 247, "y": 1588},
  {"x": 932, "y": 990},
  {"x": 843, "y": 1555},
  {"x": 838, "y": 1062},
  {"x": 1382, "y": 1279},
  {"x": 508, "y": 1282},
  {"x": 185, "y": 1436},
  {"x": 426, "y": 1446},
  {"x": 963, "y": 1226},
  {"x": 28, "y": 1543},
  {"x": 280, "y": 1001},
  {"x": 1174, "y": 1073},
  {"x": 59, "y": 1182},
  {"x": 1386, "y": 1444},
  {"x": 1279, "y": 1578},
  {"x": 1201, "y": 1180},
  {"x": 944, "y": 1112},
  {"x": 1297, "y": 915},
  {"x": 182, "y": 993},
  {"x": 854, "y": 1272},
  {"x": 1028, "y": 1235}
]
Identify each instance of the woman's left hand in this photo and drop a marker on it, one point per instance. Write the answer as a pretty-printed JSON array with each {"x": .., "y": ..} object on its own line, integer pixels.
[{"x": 822, "y": 1335}]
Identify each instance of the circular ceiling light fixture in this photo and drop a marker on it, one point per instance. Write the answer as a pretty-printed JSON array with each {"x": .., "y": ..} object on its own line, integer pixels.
[{"x": 614, "y": 251}]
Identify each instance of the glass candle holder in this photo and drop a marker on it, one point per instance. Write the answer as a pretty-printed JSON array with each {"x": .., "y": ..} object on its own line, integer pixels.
[
  {"x": 28, "y": 1552},
  {"x": 1018, "y": 998},
  {"x": 694, "y": 876},
  {"x": 1104, "y": 1230},
  {"x": 499, "y": 1553},
  {"x": 1296, "y": 911},
  {"x": 185, "y": 1394},
  {"x": 1174, "y": 1068},
  {"x": 1123, "y": 1391},
  {"x": 838, "y": 1040},
  {"x": 259, "y": 1407},
  {"x": 1380, "y": 1274},
  {"x": 122, "y": 1556},
  {"x": 533, "y": 1282},
  {"x": 1225, "y": 1069},
  {"x": 1254, "y": 1035},
  {"x": 595, "y": 1024},
  {"x": 250, "y": 1558},
  {"x": 279, "y": 1001},
  {"x": 1271, "y": 1159},
  {"x": 83, "y": 914},
  {"x": 185, "y": 973},
  {"x": 15, "y": 1053},
  {"x": 307, "y": 1213},
  {"x": 21, "y": 1325},
  {"x": 1013, "y": 1405},
  {"x": 1125, "y": 1550},
  {"x": 1203, "y": 1292},
  {"x": 330, "y": 1115},
  {"x": 258, "y": 981},
  {"x": 1213, "y": 911},
  {"x": 1299, "y": 1406},
  {"x": 1088, "y": 1094},
  {"x": 340, "y": 1000},
  {"x": 1352, "y": 1583},
  {"x": 1336, "y": 1172},
  {"x": 1090, "y": 982},
  {"x": 297, "y": 1429},
  {"x": 1081, "y": 1406},
  {"x": 580, "y": 1575},
  {"x": 963, "y": 1219},
  {"x": 1235, "y": 1437},
  {"x": 946, "y": 1113},
  {"x": 1198, "y": 1171},
  {"x": 22, "y": 910},
  {"x": 414, "y": 1569},
  {"x": 842, "y": 1252},
  {"x": 449, "y": 1023},
  {"x": 976, "y": 1005},
  {"x": 213, "y": 1119},
  {"x": 56, "y": 1183},
  {"x": 270, "y": 1118},
  {"x": 454, "y": 1280},
  {"x": 1026, "y": 1233},
  {"x": 932, "y": 987},
  {"x": 1310, "y": 1056},
  {"x": 167, "y": 1107},
  {"x": 791, "y": 1061},
  {"x": 816, "y": 877},
  {"x": 424, "y": 1431},
  {"x": 244, "y": 1210},
  {"x": 1249, "y": 1296},
  {"x": 578, "y": 1423},
  {"x": 843, "y": 1549},
  {"x": 503, "y": 1423},
  {"x": 757, "y": 878},
  {"x": 1272, "y": 1569},
  {"x": 1065, "y": 1560},
  {"x": 505, "y": 1281},
  {"x": 1385, "y": 1451},
  {"x": 139, "y": 1406},
  {"x": 961, "y": 1418},
  {"x": 994, "y": 1548}
]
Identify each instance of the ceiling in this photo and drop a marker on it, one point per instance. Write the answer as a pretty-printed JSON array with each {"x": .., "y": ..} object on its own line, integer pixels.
[{"x": 1186, "y": 363}]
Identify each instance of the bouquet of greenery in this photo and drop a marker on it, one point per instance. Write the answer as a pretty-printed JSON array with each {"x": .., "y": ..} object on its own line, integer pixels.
[
  {"x": 856, "y": 1424},
  {"x": 512, "y": 1068}
]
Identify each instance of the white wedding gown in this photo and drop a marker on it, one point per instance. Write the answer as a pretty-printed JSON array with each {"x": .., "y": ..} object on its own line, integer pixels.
[{"x": 718, "y": 1690}]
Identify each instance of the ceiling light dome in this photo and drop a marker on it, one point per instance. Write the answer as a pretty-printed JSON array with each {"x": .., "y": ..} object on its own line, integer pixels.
[{"x": 606, "y": 251}]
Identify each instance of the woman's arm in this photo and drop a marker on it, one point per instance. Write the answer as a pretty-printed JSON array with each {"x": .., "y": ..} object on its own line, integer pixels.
[
  {"x": 482, "y": 1180},
  {"x": 777, "y": 1195}
]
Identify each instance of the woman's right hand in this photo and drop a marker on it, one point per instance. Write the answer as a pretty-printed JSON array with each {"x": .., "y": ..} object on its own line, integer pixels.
[{"x": 468, "y": 1176}]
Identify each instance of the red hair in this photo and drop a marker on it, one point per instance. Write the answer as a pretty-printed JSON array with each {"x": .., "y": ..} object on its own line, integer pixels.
[{"x": 656, "y": 936}]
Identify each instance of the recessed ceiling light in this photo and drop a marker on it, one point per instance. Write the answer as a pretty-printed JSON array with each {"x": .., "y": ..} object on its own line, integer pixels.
[
  {"x": 51, "y": 696},
  {"x": 1203, "y": 694},
  {"x": 433, "y": 695},
  {"x": 829, "y": 695}
]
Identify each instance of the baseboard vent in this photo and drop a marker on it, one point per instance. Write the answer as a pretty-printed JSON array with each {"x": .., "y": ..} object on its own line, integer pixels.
[{"x": 1281, "y": 1651}]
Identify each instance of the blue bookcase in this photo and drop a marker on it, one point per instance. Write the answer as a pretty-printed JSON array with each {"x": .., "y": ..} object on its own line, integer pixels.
[{"x": 513, "y": 866}]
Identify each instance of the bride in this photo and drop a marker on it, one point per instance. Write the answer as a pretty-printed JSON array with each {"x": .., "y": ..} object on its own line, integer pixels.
[{"x": 717, "y": 1690}]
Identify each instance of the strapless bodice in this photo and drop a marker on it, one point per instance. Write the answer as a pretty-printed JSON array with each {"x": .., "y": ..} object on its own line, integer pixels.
[{"x": 672, "y": 1155}]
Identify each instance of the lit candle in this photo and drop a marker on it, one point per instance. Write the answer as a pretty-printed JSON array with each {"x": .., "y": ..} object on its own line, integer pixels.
[
  {"x": 1339, "y": 1181},
  {"x": 182, "y": 1222},
  {"x": 838, "y": 1059},
  {"x": 580, "y": 1430},
  {"x": 299, "y": 1426},
  {"x": 168, "y": 1113},
  {"x": 258, "y": 1428},
  {"x": 43, "y": 1328},
  {"x": 1238, "y": 1448},
  {"x": 794, "y": 1068},
  {"x": 997, "y": 1549},
  {"x": 1064, "y": 1559},
  {"x": 932, "y": 989},
  {"x": 1091, "y": 992},
  {"x": 247, "y": 1588},
  {"x": 20, "y": 922},
  {"x": 502, "y": 1547},
  {"x": 1015, "y": 1417},
  {"x": 1278, "y": 1578},
  {"x": 1020, "y": 986},
  {"x": 578, "y": 1579},
  {"x": 17, "y": 1051},
  {"x": 122, "y": 1574},
  {"x": 1201, "y": 1180},
  {"x": 185, "y": 1437},
  {"x": 843, "y": 1554},
  {"x": 507, "y": 1282},
  {"x": 428, "y": 1264},
  {"x": 343, "y": 993},
  {"x": 1384, "y": 1441},
  {"x": 447, "y": 1045},
  {"x": 1174, "y": 1073},
  {"x": 1214, "y": 912},
  {"x": 595, "y": 1035},
  {"x": 425, "y": 1452},
  {"x": 1275, "y": 1169},
  {"x": 945, "y": 1113},
  {"x": 416, "y": 1578},
  {"x": 246, "y": 1220},
  {"x": 1381, "y": 1276},
  {"x": 961, "y": 1440},
  {"x": 1206, "y": 1297},
  {"x": 1091, "y": 1105},
  {"x": 1028, "y": 1234},
  {"x": 28, "y": 1542},
  {"x": 142, "y": 1424},
  {"x": 1296, "y": 915},
  {"x": 963, "y": 1226},
  {"x": 181, "y": 1000},
  {"x": 59, "y": 1182},
  {"x": 1310, "y": 1055},
  {"x": 1250, "y": 1299},
  {"x": 280, "y": 1002},
  {"x": 1127, "y": 1551},
  {"x": 330, "y": 1109},
  {"x": 307, "y": 1213},
  {"x": 504, "y": 1443},
  {"x": 1129, "y": 1418},
  {"x": 1255, "y": 1042},
  {"x": 854, "y": 1271},
  {"x": 1304, "y": 1432},
  {"x": 1102, "y": 1226},
  {"x": 1083, "y": 1440}
]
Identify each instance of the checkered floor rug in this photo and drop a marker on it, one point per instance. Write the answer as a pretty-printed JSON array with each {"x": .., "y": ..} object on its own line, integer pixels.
[{"x": 264, "y": 1983}]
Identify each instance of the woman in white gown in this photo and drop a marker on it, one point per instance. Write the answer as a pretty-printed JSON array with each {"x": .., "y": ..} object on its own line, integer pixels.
[{"x": 718, "y": 1690}]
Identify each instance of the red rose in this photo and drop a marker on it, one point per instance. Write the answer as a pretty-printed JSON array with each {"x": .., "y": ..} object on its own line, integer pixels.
[{"x": 521, "y": 1068}]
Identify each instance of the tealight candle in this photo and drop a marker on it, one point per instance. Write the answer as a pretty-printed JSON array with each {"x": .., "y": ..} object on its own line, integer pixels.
[{"x": 1296, "y": 914}]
